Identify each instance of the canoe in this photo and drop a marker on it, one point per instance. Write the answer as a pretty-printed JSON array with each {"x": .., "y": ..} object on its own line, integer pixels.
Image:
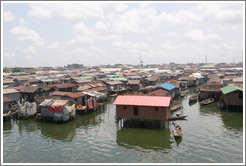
[
  {"x": 177, "y": 118},
  {"x": 177, "y": 132},
  {"x": 207, "y": 101},
  {"x": 176, "y": 107},
  {"x": 193, "y": 98},
  {"x": 182, "y": 94}
]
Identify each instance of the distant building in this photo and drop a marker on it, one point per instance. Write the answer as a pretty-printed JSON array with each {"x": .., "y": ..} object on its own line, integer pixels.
[{"x": 75, "y": 66}]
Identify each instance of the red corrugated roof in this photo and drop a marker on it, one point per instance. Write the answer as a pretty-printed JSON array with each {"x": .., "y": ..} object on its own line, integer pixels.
[
  {"x": 68, "y": 94},
  {"x": 154, "y": 101},
  {"x": 5, "y": 100},
  {"x": 130, "y": 74}
]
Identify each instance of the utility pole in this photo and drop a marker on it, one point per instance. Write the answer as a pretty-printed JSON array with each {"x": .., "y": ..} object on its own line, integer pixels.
[{"x": 206, "y": 59}]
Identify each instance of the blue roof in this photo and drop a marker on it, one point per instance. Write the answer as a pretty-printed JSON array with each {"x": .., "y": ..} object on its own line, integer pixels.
[
  {"x": 167, "y": 86},
  {"x": 110, "y": 75}
]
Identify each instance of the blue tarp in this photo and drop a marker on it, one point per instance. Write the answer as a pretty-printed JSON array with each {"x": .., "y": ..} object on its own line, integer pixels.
[
  {"x": 200, "y": 79},
  {"x": 112, "y": 75},
  {"x": 165, "y": 86}
]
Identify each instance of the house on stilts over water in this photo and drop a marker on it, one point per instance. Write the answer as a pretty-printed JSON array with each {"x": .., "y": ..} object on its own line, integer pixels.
[{"x": 143, "y": 111}]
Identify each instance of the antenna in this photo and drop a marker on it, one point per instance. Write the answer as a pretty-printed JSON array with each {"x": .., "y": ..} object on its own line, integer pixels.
[{"x": 141, "y": 62}]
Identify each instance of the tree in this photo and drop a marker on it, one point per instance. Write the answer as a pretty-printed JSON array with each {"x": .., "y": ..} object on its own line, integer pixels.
[
  {"x": 17, "y": 69},
  {"x": 5, "y": 70}
]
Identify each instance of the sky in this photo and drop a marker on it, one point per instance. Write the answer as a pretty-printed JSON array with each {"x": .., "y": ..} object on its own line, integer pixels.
[{"x": 100, "y": 33}]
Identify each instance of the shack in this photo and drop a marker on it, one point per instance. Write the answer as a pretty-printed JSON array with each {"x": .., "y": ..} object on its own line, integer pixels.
[
  {"x": 74, "y": 97},
  {"x": 209, "y": 91},
  {"x": 188, "y": 81},
  {"x": 6, "y": 104},
  {"x": 115, "y": 87},
  {"x": 172, "y": 90},
  {"x": 143, "y": 109},
  {"x": 232, "y": 98},
  {"x": 66, "y": 87},
  {"x": 29, "y": 92},
  {"x": 135, "y": 85},
  {"x": 12, "y": 94},
  {"x": 57, "y": 110}
]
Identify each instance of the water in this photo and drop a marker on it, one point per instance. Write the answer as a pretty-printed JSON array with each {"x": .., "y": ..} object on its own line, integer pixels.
[{"x": 209, "y": 136}]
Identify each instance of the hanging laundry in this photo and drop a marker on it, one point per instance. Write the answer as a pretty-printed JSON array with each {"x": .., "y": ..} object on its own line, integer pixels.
[{"x": 90, "y": 104}]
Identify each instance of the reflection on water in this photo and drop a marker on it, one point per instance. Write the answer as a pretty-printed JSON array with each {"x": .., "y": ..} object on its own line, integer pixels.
[
  {"x": 232, "y": 120},
  {"x": 144, "y": 138},
  {"x": 7, "y": 126},
  {"x": 178, "y": 140},
  {"x": 209, "y": 135}
]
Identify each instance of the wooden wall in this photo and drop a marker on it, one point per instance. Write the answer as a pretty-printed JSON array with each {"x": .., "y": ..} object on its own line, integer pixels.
[
  {"x": 144, "y": 113},
  {"x": 233, "y": 98}
]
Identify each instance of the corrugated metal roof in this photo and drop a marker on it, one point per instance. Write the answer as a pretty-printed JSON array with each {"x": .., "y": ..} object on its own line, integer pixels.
[
  {"x": 8, "y": 91},
  {"x": 5, "y": 100},
  {"x": 68, "y": 94},
  {"x": 167, "y": 86},
  {"x": 229, "y": 89},
  {"x": 59, "y": 102},
  {"x": 134, "y": 82},
  {"x": 159, "y": 92},
  {"x": 119, "y": 79},
  {"x": 154, "y": 101}
]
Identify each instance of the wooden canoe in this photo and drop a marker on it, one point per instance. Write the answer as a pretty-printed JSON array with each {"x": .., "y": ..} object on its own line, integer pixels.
[
  {"x": 177, "y": 118},
  {"x": 176, "y": 107},
  {"x": 193, "y": 98},
  {"x": 177, "y": 132},
  {"x": 207, "y": 101}
]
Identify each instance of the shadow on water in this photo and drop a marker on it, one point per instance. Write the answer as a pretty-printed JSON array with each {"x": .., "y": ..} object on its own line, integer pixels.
[
  {"x": 132, "y": 138},
  {"x": 7, "y": 126},
  {"x": 230, "y": 119},
  {"x": 67, "y": 131},
  {"x": 58, "y": 131},
  {"x": 178, "y": 140}
]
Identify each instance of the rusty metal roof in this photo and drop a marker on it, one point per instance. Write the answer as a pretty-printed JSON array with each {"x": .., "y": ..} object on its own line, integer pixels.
[
  {"x": 5, "y": 100},
  {"x": 68, "y": 94},
  {"x": 149, "y": 101}
]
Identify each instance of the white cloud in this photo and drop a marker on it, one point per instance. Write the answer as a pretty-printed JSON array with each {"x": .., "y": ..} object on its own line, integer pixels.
[
  {"x": 8, "y": 54},
  {"x": 8, "y": 16},
  {"x": 168, "y": 46},
  {"x": 171, "y": 34},
  {"x": 39, "y": 11},
  {"x": 25, "y": 34},
  {"x": 198, "y": 35},
  {"x": 101, "y": 26},
  {"x": 226, "y": 13}
]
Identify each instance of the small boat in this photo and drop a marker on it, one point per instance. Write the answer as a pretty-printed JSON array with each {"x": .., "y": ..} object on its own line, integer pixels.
[
  {"x": 182, "y": 94},
  {"x": 207, "y": 101},
  {"x": 193, "y": 99},
  {"x": 176, "y": 107},
  {"x": 178, "y": 117},
  {"x": 177, "y": 132}
]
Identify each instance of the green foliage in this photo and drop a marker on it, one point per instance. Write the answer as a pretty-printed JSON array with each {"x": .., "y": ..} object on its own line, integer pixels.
[
  {"x": 5, "y": 70},
  {"x": 17, "y": 69}
]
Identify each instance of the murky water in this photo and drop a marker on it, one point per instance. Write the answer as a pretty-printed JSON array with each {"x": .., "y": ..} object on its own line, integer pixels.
[{"x": 209, "y": 136}]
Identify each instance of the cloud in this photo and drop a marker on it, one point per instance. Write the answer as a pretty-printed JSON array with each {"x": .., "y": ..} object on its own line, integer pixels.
[
  {"x": 229, "y": 13},
  {"x": 25, "y": 34},
  {"x": 198, "y": 35},
  {"x": 8, "y": 54},
  {"x": 8, "y": 17},
  {"x": 39, "y": 11}
]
